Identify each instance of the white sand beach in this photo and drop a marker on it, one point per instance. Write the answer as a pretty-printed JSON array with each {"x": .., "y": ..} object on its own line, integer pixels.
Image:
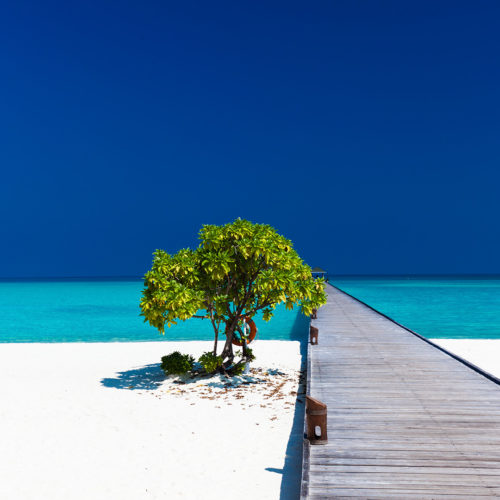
[
  {"x": 100, "y": 421},
  {"x": 484, "y": 353}
]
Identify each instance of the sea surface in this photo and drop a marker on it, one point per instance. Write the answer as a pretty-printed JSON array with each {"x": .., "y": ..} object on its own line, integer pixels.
[
  {"x": 462, "y": 307},
  {"x": 108, "y": 310}
]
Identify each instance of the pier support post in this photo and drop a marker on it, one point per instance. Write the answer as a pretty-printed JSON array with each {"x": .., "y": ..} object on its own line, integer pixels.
[
  {"x": 316, "y": 413},
  {"x": 313, "y": 335}
]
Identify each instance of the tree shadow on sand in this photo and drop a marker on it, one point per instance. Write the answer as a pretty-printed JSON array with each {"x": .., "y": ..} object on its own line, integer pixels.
[{"x": 148, "y": 377}]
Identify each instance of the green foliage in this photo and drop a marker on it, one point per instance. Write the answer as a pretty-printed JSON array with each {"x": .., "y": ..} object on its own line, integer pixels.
[
  {"x": 238, "y": 369},
  {"x": 210, "y": 362},
  {"x": 250, "y": 355},
  {"x": 177, "y": 363},
  {"x": 239, "y": 269}
]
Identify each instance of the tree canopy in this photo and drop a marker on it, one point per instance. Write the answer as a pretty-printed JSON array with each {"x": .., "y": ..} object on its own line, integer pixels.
[{"x": 238, "y": 270}]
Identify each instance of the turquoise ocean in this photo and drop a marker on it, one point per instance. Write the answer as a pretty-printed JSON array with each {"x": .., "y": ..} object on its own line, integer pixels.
[
  {"x": 464, "y": 307},
  {"x": 107, "y": 310}
]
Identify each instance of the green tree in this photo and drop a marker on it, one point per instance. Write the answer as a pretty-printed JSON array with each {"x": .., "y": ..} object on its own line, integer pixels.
[{"x": 238, "y": 270}]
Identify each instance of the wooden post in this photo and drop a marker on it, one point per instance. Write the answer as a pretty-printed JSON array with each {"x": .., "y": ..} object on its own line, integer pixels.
[
  {"x": 316, "y": 413},
  {"x": 313, "y": 335}
]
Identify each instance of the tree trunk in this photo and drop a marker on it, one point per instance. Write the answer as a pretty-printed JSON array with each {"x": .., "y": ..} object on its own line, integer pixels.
[
  {"x": 227, "y": 352},
  {"x": 215, "y": 342},
  {"x": 215, "y": 326}
]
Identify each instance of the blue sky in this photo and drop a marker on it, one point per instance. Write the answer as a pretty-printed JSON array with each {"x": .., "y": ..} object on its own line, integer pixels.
[{"x": 367, "y": 132}]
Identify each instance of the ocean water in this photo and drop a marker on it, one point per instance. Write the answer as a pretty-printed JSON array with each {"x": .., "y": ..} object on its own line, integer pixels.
[
  {"x": 106, "y": 311},
  {"x": 435, "y": 307}
]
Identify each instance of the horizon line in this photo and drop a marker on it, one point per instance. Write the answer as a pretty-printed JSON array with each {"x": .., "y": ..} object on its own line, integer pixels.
[{"x": 331, "y": 275}]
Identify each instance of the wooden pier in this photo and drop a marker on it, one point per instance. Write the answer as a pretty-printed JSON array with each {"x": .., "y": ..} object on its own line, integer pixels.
[{"x": 405, "y": 419}]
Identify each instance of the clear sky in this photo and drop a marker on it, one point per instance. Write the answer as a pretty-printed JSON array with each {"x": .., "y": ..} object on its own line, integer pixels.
[{"x": 367, "y": 132}]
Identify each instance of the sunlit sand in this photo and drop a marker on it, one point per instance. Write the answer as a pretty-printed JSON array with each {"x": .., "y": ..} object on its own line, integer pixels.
[
  {"x": 484, "y": 353},
  {"x": 99, "y": 420}
]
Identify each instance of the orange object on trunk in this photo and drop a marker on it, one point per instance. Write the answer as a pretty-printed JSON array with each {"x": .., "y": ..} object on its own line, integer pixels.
[{"x": 253, "y": 332}]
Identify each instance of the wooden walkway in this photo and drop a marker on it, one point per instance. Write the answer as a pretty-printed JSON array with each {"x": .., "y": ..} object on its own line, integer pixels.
[{"x": 405, "y": 420}]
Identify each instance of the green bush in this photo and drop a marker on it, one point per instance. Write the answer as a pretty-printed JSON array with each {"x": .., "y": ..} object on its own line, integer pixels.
[
  {"x": 250, "y": 355},
  {"x": 210, "y": 362},
  {"x": 176, "y": 363},
  {"x": 238, "y": 369}
]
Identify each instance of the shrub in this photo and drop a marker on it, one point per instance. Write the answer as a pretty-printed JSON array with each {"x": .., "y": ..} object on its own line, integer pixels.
[
  {"x": 238, "y": 369},
  {"x": 176, "y": 363},
  {"x": 250, "y": 355},
  {"x": 210, "y": 362}
]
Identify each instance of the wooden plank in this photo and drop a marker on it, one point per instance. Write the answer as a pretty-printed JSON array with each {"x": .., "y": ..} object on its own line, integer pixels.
[
  {"x": 403, "y": 493},
  {"x": 449, "y": 462},
  {"x": 431, "y": 468},
  {"x": 389, "y": 479},
  {"x": 420, "y": 454},
  {"x": 405, "y": 419}
]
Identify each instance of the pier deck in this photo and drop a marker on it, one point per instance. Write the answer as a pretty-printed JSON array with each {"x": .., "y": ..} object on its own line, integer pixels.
[{"x": 405, "y": 420}]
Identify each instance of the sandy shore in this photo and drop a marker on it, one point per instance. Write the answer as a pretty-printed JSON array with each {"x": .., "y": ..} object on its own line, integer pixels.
[
  {"x": 484, "y": 353},
  {"x": 101, "y": 421}
]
